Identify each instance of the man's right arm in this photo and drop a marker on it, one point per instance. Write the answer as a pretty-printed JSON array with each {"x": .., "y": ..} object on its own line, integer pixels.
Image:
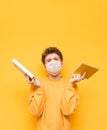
[{"x": 36, "y": 101}]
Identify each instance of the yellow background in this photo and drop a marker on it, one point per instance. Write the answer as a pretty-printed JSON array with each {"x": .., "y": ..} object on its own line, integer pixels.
[{"x": 79, "y": 29}]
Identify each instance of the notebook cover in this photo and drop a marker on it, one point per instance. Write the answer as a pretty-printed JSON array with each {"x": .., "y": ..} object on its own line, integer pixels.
[{"x": 82, "y": 67}]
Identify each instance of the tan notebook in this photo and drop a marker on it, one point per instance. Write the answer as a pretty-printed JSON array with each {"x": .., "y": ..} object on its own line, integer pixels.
[{"x": 82, "y": 67}]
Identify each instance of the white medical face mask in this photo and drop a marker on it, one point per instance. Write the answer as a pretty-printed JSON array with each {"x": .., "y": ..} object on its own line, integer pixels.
[{"x": 53, "y": 67}]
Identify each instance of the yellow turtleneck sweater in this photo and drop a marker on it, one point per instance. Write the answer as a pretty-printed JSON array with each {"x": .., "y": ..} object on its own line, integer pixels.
[{"x": 53, "y": 103}]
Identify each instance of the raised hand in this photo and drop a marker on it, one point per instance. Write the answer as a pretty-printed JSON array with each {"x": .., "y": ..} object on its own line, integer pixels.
[
  {"x": 33, "y": 81},
  {"x": 77, "y": 77}
]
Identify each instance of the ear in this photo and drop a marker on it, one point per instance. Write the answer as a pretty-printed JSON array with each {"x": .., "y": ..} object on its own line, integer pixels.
[
  {"x": 44, "y": 65},
  {"x": 61, "y": 62}
]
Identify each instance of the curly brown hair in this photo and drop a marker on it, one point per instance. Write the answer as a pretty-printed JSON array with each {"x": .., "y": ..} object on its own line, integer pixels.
[{"x": 51, "y": 50}]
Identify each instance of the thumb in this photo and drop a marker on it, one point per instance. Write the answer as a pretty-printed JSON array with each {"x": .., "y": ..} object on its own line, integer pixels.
[
  {"x": 72, "y": 74},
  {"x": 83, "y": 76}
]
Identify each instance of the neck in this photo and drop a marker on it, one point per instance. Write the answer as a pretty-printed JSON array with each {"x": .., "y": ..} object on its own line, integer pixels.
[{"x": 55, "y": 77}]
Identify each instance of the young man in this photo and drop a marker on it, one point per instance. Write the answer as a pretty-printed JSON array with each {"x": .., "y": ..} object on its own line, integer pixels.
[{"x": 53, "y": 99}]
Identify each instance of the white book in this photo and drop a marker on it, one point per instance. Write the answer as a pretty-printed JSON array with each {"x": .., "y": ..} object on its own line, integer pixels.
[
  {"x": 22, "y": 68},
  {"x": 82, "y": 67}
]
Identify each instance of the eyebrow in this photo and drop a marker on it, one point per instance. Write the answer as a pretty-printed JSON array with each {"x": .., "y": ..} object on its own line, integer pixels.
[{"x": 56, "y": 57}]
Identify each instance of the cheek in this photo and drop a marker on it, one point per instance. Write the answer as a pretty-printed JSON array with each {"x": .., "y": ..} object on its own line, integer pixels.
[{"x": 45, "y": 62}]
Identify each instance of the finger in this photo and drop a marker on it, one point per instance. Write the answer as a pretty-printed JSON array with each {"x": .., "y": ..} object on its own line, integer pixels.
[
  {"x": 79, "y": 75},
  {"x": 82, "y": 77},
  {"x": 29, "y": 80},
  {"x": 37, "y": 82},
  {"x": 72, "y": 74},
  {"x": 25, "y": 75},
  {"x": 83, "y": 74}
]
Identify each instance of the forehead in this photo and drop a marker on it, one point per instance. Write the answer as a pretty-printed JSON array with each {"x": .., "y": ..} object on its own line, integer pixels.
[{"x": 52, "y": 55}]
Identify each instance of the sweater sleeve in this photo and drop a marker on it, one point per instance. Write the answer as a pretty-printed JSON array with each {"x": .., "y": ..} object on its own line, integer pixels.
[
  {"x": 70, "y": 100},
  {"x": 36, "y": 101}
]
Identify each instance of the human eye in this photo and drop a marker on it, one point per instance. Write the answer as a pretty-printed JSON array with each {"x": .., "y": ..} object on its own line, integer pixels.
[
  {"x": 56, "y": 58},
  {"x": 48, "y": 60}
]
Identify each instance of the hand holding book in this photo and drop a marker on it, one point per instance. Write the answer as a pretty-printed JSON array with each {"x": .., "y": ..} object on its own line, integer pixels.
[
  {"x": 77, "y": 77},
  {"x": 82, "y": 68},
  {"x": 82, "y": 71},
  {"x": 34, "y": 81},
  {"x": 30, "y": 78}
]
